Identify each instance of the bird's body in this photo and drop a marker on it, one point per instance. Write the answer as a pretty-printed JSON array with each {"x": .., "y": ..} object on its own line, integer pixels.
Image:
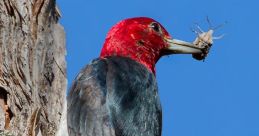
[
  {"x": 117, "y": 95},
  {"x": 107, "y": 100}
]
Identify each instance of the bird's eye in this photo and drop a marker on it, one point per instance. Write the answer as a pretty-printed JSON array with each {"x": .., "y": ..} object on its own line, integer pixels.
[{"x": 156, "y": 27}]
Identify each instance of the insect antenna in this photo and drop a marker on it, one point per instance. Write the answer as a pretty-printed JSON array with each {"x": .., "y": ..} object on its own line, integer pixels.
[
  {"x": 209, "y": 23},
  {"x": 220, "y": 25}
]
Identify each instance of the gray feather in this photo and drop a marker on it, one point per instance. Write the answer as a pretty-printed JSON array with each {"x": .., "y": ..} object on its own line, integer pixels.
[{"x": 114, "y": 97}]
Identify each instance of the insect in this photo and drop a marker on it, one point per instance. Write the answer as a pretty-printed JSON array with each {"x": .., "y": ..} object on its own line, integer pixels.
[{"x": 205, "y": 39}]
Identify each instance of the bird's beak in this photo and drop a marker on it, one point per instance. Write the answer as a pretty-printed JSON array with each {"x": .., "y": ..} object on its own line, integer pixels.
[{"x": 181, "y": 47}]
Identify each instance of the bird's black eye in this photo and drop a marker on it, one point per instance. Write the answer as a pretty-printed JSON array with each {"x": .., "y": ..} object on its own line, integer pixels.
[{"x": 156, "y": 27}]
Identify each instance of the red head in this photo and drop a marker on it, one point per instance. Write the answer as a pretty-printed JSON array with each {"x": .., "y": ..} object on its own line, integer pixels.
[{"x": 141, "y": 39}]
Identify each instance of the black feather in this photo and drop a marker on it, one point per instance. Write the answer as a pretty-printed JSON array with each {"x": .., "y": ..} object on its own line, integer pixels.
[{"x": 116, "y": 96}]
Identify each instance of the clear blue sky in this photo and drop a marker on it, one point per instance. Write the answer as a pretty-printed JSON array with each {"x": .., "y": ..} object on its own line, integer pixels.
[{"x": 218, "y": 97}]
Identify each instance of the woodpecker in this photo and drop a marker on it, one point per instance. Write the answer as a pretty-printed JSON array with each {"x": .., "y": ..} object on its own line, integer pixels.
[{"x": 117, "y": 94}]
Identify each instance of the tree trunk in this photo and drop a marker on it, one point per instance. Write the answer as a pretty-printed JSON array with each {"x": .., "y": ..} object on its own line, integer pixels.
[{"x": 32, "y": 67}]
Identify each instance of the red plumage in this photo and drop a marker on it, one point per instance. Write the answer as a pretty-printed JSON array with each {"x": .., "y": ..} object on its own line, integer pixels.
[{"x": 135, "y": 38}]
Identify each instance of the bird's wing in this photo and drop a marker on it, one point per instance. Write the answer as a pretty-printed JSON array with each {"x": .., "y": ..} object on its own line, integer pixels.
[
  {"x": 133, "y": 100},
  {"x": 87, "y": 111},
  {"x": 114, "y": 97}
]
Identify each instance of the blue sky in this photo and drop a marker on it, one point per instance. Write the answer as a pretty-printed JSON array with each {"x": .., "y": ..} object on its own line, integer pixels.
[{"x": 218, "y": 97}]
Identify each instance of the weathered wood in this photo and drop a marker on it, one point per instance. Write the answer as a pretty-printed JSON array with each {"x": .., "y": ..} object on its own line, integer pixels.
[{"x": 32, "y": 67}]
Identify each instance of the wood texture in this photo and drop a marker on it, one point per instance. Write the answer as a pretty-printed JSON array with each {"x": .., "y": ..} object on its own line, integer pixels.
[{"x": 32, "y": 67}]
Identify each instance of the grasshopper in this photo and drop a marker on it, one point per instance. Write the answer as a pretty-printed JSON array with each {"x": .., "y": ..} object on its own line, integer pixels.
[{"x": 205, "y": 39}]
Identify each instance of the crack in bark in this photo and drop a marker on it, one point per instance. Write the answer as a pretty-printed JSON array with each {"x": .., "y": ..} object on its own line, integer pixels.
[
  {"x": 34, "y": 122},
  {"x": 37, "y": 7},
  {"x": 4, "y": 105}
]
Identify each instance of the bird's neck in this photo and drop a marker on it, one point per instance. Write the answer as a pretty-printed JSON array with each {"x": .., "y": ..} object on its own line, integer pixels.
[
  {"x": 145, "y": 57},
  {"x": 149, "y": 64}
]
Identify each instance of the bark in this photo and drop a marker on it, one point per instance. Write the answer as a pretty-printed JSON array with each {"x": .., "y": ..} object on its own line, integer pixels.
[{"x": 32, "y": 67}]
